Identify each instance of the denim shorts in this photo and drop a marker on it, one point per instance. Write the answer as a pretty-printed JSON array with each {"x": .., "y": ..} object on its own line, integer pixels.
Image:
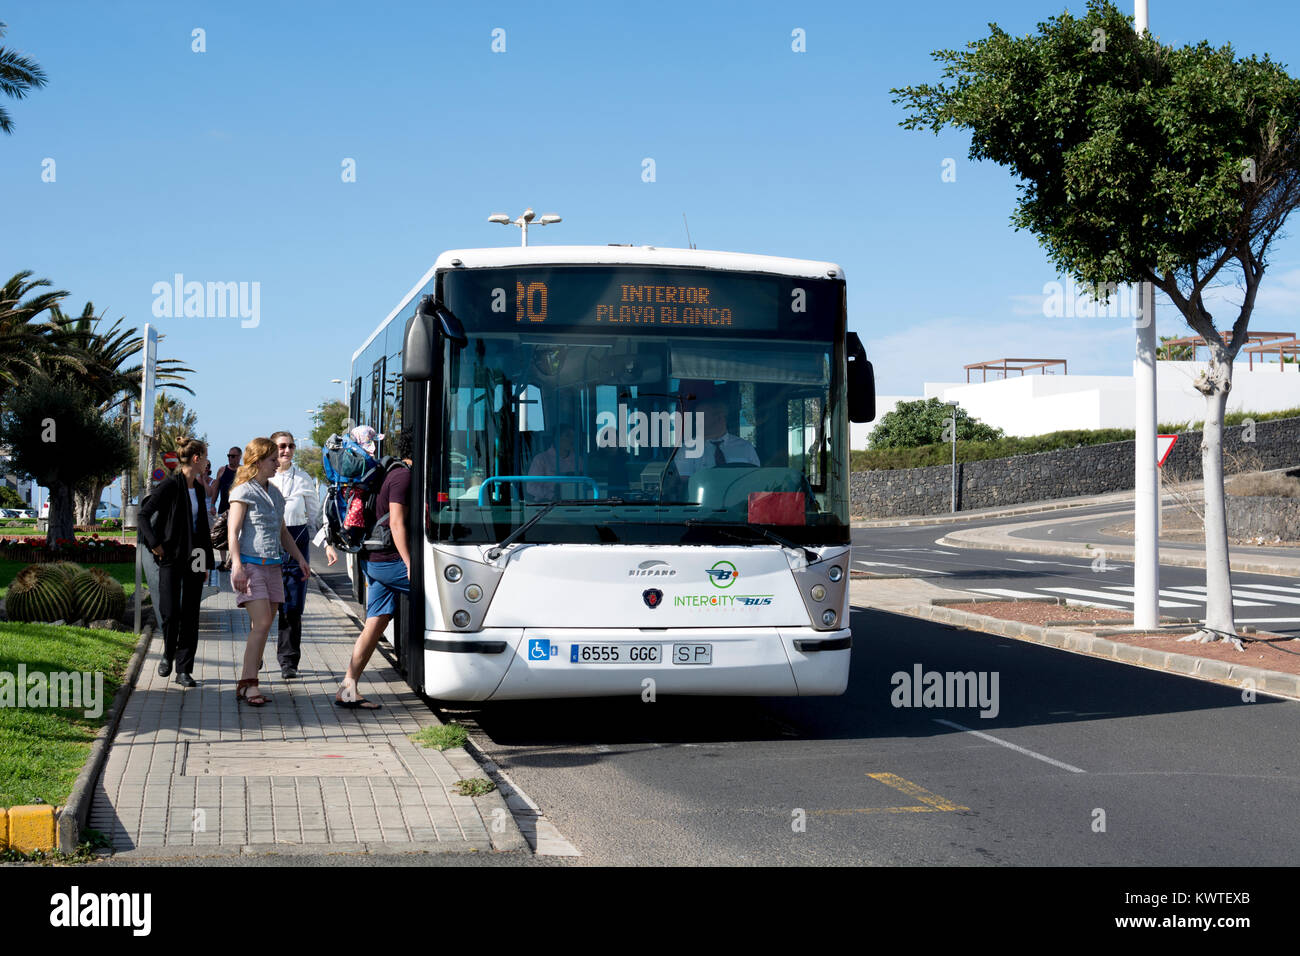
[{"x": 384, "y": 579}]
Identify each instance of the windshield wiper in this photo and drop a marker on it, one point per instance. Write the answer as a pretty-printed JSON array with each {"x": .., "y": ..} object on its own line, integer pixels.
[
  {"x": 772, "y": 536},
  {"x": 518, "y": 533}
]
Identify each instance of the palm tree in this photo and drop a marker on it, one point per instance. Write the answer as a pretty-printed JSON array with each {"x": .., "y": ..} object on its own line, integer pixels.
[
  {"x": 18, "y": 74},
  {"x": 28, "y": 345},
  {"x": 102, "y": 354}
]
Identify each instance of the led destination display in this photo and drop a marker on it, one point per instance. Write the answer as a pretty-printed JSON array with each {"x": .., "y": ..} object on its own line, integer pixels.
[{"x": 622, "y": 300}]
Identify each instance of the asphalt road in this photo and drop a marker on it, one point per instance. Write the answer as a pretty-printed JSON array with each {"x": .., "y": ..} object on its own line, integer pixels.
[
  {"x": 1266, "y": 602},
  {"x": 1179, "y": 771}
]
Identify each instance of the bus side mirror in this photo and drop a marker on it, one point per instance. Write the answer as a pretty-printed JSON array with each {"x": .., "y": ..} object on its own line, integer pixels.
[
  {"x": 862, "y": 381},
  {"x": 422, "y": 344}
]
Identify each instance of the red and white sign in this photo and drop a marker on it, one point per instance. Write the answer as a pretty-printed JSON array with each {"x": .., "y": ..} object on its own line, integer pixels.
[
  {"x": 1164, "y": 445},
  {"x": 170, "y": 460}
]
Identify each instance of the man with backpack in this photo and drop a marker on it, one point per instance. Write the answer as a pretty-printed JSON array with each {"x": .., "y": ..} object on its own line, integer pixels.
[{"x": 386, "y": 562}]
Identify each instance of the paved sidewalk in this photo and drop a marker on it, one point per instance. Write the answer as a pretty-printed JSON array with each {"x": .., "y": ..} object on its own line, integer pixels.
[{"x": 193, "y": 772}]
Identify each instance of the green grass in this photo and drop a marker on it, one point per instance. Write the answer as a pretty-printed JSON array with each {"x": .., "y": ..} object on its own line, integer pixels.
[
  {"x": 442, "y": 737},
  {"x": 123, "y": 572},
  {"x": 474, "y": 787},
  {"x": 42, "y": 750}
]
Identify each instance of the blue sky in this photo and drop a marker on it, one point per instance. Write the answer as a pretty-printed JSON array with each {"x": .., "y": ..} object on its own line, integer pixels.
[{"x": 225, "y": 166}]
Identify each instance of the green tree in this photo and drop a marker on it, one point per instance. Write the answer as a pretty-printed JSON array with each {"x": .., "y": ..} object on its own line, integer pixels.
[
  {"x": 1175, "y": 353},
  {"x": 57, "y": 437},
  {"x": 1138, "y": 162},
  {"x": 912, "y": 424},
  {"x": 18, "y": 74},
  {"x": 10, "y": 498}
]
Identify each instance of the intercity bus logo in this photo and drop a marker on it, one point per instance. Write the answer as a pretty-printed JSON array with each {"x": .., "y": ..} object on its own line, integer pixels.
[{"x": 723, "y": 574}]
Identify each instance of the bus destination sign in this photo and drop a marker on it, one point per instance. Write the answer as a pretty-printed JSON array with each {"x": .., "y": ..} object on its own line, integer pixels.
[{"x": 622, "y": 300}]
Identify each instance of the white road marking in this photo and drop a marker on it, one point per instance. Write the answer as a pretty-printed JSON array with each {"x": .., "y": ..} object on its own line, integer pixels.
[
  {"x": 1268, "y": 620},
  {"x": 1060, "y": 563},
  {"x": 1083, "y": 592},
  {"x": 1241, "y": 592},
  {"x": 1187, "y": 597},
  {"x": 919, "y": 550},
  {"x": 1006, "y": 743},
  {"x": 1272, "y": 587},
  {"x": 886, "y": 564}
]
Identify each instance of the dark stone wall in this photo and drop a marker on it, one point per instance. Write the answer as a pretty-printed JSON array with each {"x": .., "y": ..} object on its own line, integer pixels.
[
  {"x": 1264, "y": 517},
  {"x": 1067, "y": 473}
]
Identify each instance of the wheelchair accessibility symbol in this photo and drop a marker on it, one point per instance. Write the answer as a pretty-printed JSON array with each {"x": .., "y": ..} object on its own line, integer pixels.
[{"x": 539, "y": 649}]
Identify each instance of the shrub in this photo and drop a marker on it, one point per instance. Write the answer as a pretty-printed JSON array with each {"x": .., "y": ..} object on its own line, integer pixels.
[
  {"x": 913, "y": 424},
  {"x": 1259, "y": 485},
  {"x": 886, "y": 459}
]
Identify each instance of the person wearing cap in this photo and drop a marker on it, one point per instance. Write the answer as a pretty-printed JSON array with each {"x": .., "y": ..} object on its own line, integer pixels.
[{"x": 301, "y": 512}]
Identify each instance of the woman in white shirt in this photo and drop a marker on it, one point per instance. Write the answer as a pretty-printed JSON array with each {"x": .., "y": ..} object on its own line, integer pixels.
[{"x": 301, "y": 512}]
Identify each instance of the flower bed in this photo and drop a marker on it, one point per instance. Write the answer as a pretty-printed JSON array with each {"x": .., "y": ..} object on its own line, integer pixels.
[{"x": 92, "y": 550}]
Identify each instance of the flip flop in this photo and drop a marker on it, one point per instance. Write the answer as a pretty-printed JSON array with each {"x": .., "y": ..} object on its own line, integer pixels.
[{"x": 359, "y": 704}]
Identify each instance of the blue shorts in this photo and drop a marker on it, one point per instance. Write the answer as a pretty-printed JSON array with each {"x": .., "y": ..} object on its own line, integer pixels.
[{"x": 383, "y": 580}]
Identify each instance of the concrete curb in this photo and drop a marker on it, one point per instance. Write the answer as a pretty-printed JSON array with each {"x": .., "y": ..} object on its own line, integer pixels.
[
  {"x": 1118, "y": 552},
  {"x": 72, "y": 817},
  {"x": 1079, "y": 642}
]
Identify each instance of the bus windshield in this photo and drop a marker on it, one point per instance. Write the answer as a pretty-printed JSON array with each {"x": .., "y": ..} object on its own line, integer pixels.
[{"x": 684, "y": 422}]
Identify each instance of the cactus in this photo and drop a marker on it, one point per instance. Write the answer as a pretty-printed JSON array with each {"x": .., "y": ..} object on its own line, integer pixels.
[
  {"x": 97, "y": 595},
  {"x": 39, "y": 593},
  {"x": 70, "y": 571}
]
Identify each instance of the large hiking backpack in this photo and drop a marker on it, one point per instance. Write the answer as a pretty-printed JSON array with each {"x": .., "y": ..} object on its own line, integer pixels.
[{"x": 355, "y": 477}]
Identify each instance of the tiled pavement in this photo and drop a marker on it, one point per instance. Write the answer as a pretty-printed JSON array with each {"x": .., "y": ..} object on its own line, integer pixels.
[{"x": 194, "y": 768}]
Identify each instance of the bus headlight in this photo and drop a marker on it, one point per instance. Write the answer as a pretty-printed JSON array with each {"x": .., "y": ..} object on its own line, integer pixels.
[
  {"x": 818, "y": 592},
  {"x": 473, "y": 593},
  {"x": 828, "y": 617},
  {"x": 835, "y": 574},
  {"x": 460, "y": 618},
  {"x": 452, "y": 573}
]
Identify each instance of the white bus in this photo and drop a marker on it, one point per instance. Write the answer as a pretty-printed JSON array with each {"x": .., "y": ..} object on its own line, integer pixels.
[{"x": 631, "y": 466}]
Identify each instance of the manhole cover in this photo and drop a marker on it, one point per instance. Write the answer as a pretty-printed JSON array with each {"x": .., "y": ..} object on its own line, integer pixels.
[{"x": 290, "y": 759}]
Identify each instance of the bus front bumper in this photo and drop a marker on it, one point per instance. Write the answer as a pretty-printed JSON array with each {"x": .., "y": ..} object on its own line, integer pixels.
[{"x": 523, "y": 663}]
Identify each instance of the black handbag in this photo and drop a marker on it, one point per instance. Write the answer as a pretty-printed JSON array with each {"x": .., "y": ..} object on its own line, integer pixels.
[{"x": 220, "y": 532}]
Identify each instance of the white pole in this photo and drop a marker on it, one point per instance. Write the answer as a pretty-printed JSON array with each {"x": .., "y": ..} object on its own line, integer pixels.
[
  {"x": 1146, "y": 500},
  {"x": 954, "y": 461}
]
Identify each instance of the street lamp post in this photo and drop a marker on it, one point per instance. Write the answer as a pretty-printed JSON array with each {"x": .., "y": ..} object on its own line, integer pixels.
[
  {"x": 954, "y": 455},
  {"x": 1146, "y": 497},
  {"x": 548, "y": 219}
]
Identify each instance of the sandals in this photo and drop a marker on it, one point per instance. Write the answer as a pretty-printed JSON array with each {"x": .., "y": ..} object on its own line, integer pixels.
[
  {"x": 349, "y": 698},
  {"x": 254, "y": 699}
]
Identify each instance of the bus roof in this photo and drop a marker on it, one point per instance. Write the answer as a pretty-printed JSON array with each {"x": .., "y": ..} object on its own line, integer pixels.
[
  {"x": 506, "y": 256},
  {"x": 635, "y": 255}
]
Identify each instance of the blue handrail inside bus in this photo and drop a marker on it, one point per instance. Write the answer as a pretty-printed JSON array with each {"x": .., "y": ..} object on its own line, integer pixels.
[{"x": 548, "y": 479}]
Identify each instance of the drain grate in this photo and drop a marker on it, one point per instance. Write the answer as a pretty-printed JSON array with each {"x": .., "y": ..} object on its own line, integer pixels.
[{"x": 293, "y": 759}]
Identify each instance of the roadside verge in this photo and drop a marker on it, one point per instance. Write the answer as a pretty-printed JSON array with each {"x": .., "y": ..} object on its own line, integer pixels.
[{"x": 916, "y": 598}]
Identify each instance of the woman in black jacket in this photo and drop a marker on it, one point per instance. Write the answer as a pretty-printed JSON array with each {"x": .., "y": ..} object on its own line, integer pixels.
[{"x": 182, "y": 543}]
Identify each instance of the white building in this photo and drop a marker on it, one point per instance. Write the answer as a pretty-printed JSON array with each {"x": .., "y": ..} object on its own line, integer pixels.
[{"x": 1033, "y": 404}]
